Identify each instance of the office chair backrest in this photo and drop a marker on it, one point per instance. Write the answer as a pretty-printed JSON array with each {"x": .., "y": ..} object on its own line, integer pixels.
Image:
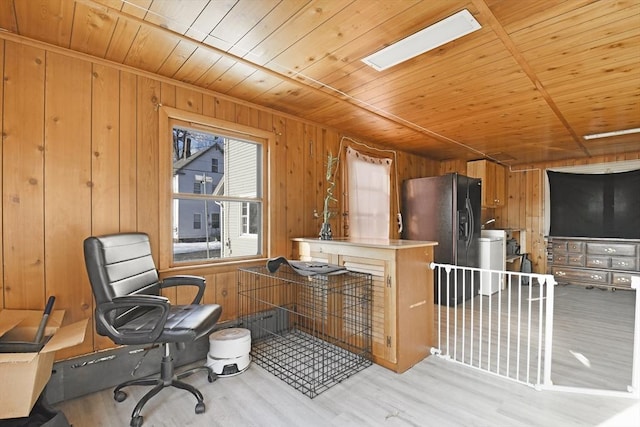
[{"x": 119, "y": 265}]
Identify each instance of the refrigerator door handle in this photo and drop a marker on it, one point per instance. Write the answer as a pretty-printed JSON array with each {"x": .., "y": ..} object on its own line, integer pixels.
[{"x": 470, "y": 220}]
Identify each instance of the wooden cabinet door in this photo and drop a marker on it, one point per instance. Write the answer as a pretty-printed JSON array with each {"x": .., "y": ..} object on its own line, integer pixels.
[
  {"x": 489, "y": 182},
  {"x": 493, "y": 178},
  {"x": 383, "y": 321},
  {"x": 499, "y": 185},
  {"x": 478, "y": 169},
  {"x": 415, "y": 306}
]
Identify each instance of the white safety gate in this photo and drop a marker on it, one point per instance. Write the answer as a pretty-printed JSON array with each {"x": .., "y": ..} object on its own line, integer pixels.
[{"x": 508, "y": 332}]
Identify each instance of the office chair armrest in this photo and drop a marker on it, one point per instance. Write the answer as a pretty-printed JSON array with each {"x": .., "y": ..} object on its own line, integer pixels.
[
  {"x": 129, "y": 302},
  {"x": 186, "y": 280}
]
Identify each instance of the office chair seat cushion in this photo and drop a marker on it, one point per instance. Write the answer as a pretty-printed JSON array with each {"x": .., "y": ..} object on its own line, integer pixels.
[{"x": 185, "y": 322}]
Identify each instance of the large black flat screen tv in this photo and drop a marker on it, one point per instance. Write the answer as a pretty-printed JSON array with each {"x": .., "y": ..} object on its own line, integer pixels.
[{"x": 595, "y": 205}]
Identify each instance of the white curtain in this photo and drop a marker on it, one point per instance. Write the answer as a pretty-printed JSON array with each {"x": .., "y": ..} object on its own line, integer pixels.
[{"x": 369, "y": 195}]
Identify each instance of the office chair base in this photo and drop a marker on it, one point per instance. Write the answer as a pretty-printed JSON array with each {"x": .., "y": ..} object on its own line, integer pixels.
[{"x": 167, "y": 379}]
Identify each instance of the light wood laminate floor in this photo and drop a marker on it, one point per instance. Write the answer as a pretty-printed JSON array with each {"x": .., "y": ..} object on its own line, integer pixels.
[
  {"x": 593, "y": 338},
  {"x": 592, "y": 335},
  {"x": 435, "y": 392}
]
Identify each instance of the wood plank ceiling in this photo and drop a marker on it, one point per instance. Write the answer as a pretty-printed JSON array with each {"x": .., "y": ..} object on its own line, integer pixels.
[{"x": 524, "y": 88}]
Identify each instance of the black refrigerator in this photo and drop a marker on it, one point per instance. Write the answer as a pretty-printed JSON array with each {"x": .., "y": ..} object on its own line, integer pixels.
[{"x": 446, "y": 209}]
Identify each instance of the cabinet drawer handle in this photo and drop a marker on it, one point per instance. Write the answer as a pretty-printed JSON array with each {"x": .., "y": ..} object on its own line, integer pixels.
[
  {"x": 596, "y": 277},
  {"x": 610, "y": 250},
  {"x": 623, "y": 280},
  {"x": 597, "y": 261},
  {"x": 561, "y": 273}
]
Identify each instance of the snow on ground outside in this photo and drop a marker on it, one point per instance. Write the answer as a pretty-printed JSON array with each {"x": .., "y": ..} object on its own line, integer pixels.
[{"x": 185, "y": 248}]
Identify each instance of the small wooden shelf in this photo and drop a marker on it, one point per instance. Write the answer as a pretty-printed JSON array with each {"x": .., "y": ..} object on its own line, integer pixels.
[{"x": 512, "y": 258}]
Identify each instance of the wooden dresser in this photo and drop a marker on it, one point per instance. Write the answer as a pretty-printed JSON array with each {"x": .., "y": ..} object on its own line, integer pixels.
[
  {"x": 597, "y": 262},
  {"x": 402, "y": 306}
]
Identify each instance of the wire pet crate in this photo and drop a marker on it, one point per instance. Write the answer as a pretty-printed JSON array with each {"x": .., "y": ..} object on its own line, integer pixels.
[{"x": 310, "y": 331}]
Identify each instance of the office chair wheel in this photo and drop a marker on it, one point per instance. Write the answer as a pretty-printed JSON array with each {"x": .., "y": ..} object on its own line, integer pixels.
[
  {"x": 136, "y": 421},
  {"x": 119, "y": 396},
  {"x": 212, "y": 377},
  {"x": 200, "y": 408}
]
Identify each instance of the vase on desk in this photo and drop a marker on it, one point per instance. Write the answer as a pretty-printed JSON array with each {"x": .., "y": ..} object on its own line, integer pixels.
[{"x": 325, "y": 231}]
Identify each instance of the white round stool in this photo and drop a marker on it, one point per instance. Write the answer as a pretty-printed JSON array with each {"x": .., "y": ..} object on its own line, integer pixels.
[{"x": 229, "y": 351}]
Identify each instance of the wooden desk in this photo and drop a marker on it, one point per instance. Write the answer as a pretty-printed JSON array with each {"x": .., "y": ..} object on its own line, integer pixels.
[{"x": 402, "y": 307}]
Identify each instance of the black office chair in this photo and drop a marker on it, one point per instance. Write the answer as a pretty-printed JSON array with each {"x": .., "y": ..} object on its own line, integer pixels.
[{"x": 130, "y": 309}]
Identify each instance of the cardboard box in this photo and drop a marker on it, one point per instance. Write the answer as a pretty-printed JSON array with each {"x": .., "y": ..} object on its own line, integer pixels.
[{"x": 24, "y": 375}]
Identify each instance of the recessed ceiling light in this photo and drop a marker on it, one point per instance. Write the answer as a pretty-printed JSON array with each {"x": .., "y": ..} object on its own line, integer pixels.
[
  {"x": 613, "y": 133},
  {"x": 449, "y": 29}
]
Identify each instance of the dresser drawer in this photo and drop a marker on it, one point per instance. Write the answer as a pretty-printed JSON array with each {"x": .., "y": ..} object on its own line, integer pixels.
[
  {"x": 619, "y": 249},
  {"x": 574, "y": 275},
  {"x": 598, "y": 261},
  {"x": 621, "y": 280},
  {"x": 575, "y": 246},
  {"x": 560, "y": 259},
  {"x": 559, "y": 245},
  {"x": 575, "y": 260},
  {"x": 620, "y": 263}
]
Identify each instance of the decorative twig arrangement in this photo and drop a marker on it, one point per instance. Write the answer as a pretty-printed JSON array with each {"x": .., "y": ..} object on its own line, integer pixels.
[
  {"x": 332, "y": 162},
  {"x": 332, "y": 165}
]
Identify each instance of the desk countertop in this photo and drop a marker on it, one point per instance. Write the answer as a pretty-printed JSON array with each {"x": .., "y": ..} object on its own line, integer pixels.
[{"x": 374, "y": 243}]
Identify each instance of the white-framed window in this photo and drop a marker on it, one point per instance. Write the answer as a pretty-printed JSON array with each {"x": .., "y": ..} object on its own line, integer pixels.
[
  {"x": 224, "y": 232},
  {"x": 250, "y": 218}
]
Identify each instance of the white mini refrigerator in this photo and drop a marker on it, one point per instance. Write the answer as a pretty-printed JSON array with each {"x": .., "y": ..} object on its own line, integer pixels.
[{"x": 491, "y": 258}]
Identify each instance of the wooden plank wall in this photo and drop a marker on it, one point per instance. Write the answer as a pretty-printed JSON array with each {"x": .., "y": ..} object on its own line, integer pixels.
[{"x": 80, "y": 157}]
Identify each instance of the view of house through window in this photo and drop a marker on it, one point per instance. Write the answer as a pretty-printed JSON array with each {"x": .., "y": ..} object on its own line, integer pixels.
[{"x": 217, "y": 196}]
